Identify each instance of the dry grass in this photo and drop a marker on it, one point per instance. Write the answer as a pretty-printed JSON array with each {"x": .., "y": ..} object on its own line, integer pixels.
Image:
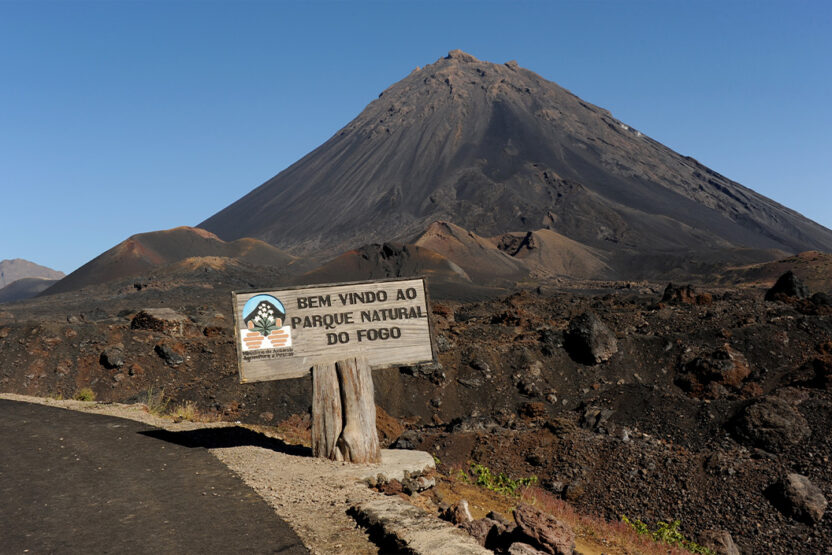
[{"x": 593, "y": 535}]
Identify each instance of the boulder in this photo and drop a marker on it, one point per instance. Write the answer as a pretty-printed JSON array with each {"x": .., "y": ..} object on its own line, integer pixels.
[
  {"x": 169, "y": 354},
  {"x": 725, "y": 366},
  {"x": 719, "y": 541},
  {"x": 684, "y": 294},
  {"x": 520, "y": 548},
  {"x": 788, "y": 287},
  {"x": 595, "y": 418},
  {"x": 545, "y": 531},
  {"x": 772, "y": 424},
  {"x": 589, "y": 340},
  {"x": 821, "y": 299},
  {"x": 484, "y": 530},
  {"x": 458, "y": 513},
  {"x": 795, "y": 496},
  {"x": 112, "y": 356}
]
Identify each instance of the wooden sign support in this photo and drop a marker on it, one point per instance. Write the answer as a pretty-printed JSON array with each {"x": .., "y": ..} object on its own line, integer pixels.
[
  {"x": 344, "y": 412},
  {"x": 361, "y": 326}
]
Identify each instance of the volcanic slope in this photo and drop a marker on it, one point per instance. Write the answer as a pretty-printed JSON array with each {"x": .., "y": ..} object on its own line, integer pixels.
[
  {"x": 18, "y": 268},
  {"x": 495, "y": 148},
  {"x": 147, "y": 251}
]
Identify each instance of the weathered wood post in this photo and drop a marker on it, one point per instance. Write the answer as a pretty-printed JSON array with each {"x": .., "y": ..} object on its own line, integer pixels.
[
  {"x": 342, "y": 332},
  {"x": 344, "y": 412},
  {"x": 326, "y": 412}
]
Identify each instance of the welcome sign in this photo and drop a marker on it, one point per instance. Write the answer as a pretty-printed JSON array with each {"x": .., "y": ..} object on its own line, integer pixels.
[{"x": 281, "y": 334}]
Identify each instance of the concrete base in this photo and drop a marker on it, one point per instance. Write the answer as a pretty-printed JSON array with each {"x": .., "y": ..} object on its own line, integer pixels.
[{"x": 394, "y": 463}]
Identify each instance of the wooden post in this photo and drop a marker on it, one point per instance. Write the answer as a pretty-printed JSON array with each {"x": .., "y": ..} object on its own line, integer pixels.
[
  {"x": 326, "y": 412},
  {"x": 342, "y": 395}
]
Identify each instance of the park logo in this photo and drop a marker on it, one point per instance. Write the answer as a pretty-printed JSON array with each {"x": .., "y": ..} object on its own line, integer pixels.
[{"x": 263, "y": 317}]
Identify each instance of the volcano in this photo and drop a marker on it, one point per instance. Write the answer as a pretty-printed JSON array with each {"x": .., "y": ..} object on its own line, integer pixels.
[{"x": 497, "y": 149}]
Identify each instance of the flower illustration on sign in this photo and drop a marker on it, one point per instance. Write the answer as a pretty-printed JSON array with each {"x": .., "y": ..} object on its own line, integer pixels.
[{"x": 263, "y": 316}]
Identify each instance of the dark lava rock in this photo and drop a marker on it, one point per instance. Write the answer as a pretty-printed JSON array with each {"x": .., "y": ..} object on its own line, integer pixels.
[
  {"x": 112, "y": 356},
  {"x": 726, "y": 367},
  {"x": 821, "y": 299},
  {"x": 787, "y": 287},
  {"x": 164, "y": 320},
  {"x": 545, "y": 531},
  {"x": 595, "y": 418},
  {"x": 719, "y": 541},
  {"x": 169, "y": 355},
  {"x": 408, "y": 440},
  {"x": 589, "y": 340},
  {"x": 796, "y": 496},
  {"x": 772, "y": 424},
  {"x": 684, "y": 294}
]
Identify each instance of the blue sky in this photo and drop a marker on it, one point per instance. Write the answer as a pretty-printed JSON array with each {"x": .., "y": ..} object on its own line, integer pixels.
[{"x": 123, "y": 117}]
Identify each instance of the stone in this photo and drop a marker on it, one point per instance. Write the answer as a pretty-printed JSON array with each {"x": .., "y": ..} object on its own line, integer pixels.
[
  {"x": 684, "y": 295},
  {"x": 574, "y": 491},
  {"x": 795, "y": 496},
  {"x": 719, "y": 541},
  {"x": 595, "y": 418},
  {"x": 545, "y": 531},
  {"x": 772, "y": 424},
  {"x": 724, "y": 367},
  {"x": 408, "y": 440},
  {"x": 481, "y": 529},
  {"x": 520, "y": 548},
  {"x": 532, "y": 410},
  {"x": 458, "y": 513},
  {"x": 787, "y": 287},
  {"x": 112, "y": 356},
  {"x": 163, "y": 320},
  {"x": 589, "y": 340},
  {"x": 167, "y": 353},
  {"x": 821, "y": 299}
]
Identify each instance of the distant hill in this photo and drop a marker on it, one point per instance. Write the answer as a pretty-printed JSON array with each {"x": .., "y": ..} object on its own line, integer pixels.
[
  {"x": 147, "y": 251},
  {"x": 24, "y": 288},
  {"x": 18, "y": 268},
  {"x": 496, "y": 149}
]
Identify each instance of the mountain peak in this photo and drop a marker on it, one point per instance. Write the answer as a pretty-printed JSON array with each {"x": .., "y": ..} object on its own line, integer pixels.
[
  {"x": 494, "y": 149},
  {"x": 461, "y": 56}
]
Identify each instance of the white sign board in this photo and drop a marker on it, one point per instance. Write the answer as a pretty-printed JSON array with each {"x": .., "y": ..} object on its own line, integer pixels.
[{"x": 281, "y": 334}]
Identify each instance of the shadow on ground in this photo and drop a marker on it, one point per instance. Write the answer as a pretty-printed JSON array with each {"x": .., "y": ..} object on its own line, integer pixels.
[{"x": 235, "y": 436}]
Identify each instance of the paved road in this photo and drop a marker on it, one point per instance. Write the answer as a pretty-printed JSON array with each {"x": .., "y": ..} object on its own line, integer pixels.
[{"x": 74, "y": 482}]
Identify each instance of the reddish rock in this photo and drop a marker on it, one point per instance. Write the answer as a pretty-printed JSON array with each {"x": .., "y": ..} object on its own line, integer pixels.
[
  {"x": 458, "y": 513},
  {"x": 684, "y": 295},
  {"x": 545, "y": 531},
  {"x": 519, "y": 548},
  {"x": 482, "y": 530}
]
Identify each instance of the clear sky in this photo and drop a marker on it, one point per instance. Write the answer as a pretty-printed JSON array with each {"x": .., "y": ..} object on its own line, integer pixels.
[{"x": 122, "y": 117}]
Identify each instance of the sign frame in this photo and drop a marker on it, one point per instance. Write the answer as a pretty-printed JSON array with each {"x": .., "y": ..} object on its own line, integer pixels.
[{"x": 302, "y": 373}]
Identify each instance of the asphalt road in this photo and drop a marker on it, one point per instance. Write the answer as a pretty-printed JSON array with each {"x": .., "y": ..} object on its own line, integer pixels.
[{"x": 74, "y": 482}]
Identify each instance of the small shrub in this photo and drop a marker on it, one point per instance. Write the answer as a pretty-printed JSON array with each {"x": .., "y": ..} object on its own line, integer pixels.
[
  {"x": 499, "y": 483},
  {"x": 156, "y": 402},
  {"x": 85, "y": 394},
  {"x": 667, "y": 533},
  {"x": 185, "y": 411}
]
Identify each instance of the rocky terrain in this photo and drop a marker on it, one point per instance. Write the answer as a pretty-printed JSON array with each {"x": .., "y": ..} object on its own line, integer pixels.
[{"x": 632, "y": 398}]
